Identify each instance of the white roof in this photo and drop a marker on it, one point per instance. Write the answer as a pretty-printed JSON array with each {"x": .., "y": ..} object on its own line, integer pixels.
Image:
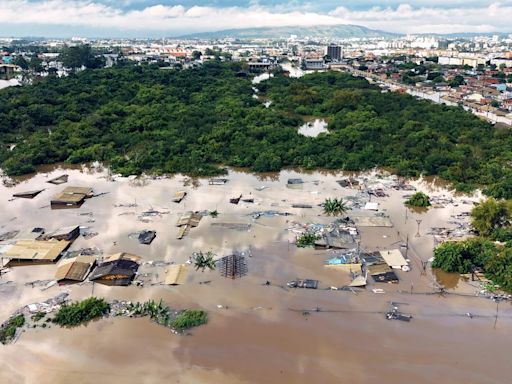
[
  {"x": 393, "y": 258},
  {"x": 371, "y": 206}
]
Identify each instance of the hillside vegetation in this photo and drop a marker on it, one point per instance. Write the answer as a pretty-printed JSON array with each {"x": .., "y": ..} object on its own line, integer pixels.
[{"x": 142, "y": 118}]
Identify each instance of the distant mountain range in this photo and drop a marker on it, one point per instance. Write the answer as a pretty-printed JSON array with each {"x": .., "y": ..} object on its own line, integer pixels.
[{"x": 321, "y": 31}]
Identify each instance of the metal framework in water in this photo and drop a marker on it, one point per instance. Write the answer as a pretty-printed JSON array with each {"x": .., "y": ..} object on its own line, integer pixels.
[{"x": 233, "y": 266}]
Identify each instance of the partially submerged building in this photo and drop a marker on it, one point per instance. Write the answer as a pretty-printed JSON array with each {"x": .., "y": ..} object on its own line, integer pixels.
[
  {"x": 188, "y": 220},
  {"x": 117, "y": 269},
  {"x": 378, "y": 269},
  {"x": 74, "y": 269},
  {"x": 68, "y": 233},
  {"x": 71, "y": 197},
  {"x": 35, "y": 251},
  {"x": 178, "y": 196},
  {"x": 59, "y": 180},
  {"x": 176, "y": 274},
  {"x": 28, "y": 194}
]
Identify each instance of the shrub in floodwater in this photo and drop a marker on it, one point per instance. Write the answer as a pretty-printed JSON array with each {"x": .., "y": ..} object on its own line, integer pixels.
[
  {"x": 38, "y": 316},
  {"x": 419, "y": 199},
  {"x": 80, "y": 312},
  {"x": 8, "y": 331},
  {"x": 307, "y": 240},
  {"x": 335, "y": 207},
  {"x": 190, "y": 318}
]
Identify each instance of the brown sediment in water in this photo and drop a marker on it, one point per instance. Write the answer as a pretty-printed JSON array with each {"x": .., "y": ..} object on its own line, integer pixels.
[{"x": 256, "y": 333}]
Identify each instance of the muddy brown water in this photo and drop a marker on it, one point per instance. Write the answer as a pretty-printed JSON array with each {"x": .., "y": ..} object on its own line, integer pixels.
[{"x": 255, "y": 333}]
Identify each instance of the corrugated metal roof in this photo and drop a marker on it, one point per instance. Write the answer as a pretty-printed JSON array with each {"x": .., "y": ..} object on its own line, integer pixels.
[
  {"x": 75, "y": 268},
  {"x": 189, "y": 218},
  {"x": 36, "y": 250},
  {"x": 176, "y": 274},
  {"x": 393, "y": 258},
  {"x": 123, "y": 256}
]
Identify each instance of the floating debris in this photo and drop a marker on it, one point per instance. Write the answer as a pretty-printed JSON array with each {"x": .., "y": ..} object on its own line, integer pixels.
[
  {"x": 217, "y": 181},
  {"x": 257, "y": 215},
  {"x": 303, "y": 283},
  {"x": 59, "y": 180},
  {"x": 28, "y": 194},
  {"x": 146, "y": 237},
  {"x": 233, "y": 226},
  {"x": 178, "y": 196}
]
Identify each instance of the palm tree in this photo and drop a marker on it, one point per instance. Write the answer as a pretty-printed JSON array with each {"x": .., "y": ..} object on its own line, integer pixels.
[
  {"x": 203, "y": 261},
  {"x": 335, "y": 207}
]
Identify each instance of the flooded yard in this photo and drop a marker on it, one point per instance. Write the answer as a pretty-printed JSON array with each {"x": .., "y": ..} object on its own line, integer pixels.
[{"x": 259, "y": 330}]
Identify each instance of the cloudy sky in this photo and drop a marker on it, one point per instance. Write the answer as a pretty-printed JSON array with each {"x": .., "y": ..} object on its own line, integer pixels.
[{"x": 158, "y": 18}]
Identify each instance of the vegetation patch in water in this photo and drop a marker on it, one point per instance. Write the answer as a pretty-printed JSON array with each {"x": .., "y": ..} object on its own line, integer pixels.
[
  {"x": 307, "y": 240},
  {"x": 419, "y": 199},
  {"x": 8, "y": 330},
  {"x": 81, "y": 312},
  {"x": 490, "y": 219},
  {"x": 190, "y": 318},
  {"x": 163, "y": 315}
]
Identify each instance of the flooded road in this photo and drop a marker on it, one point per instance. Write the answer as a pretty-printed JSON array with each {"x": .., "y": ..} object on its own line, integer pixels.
[{"x": 256, "y": 333}]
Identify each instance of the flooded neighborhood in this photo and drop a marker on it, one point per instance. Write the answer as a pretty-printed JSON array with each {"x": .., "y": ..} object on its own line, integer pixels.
[{"x": 358, "y": 303}]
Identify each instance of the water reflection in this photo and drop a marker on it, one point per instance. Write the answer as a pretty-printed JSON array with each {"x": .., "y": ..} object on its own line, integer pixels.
[{"x": 313, "y": 128}]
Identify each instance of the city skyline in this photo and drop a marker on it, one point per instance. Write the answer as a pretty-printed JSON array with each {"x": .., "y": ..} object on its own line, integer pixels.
[{"x": 158, "y": 18}]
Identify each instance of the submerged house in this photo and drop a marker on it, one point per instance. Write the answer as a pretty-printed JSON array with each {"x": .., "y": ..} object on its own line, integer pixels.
[
  {"x": 178, "y": 196},
  {"x": 74, "y": 269},
  {"x": 378, "y": 269},
  {"x": 117, "y": 269},
  {"x": 28, "y": 194},
  {"x": 36, "y": 251},
  {"x": 176, "y": 274},
  {"x": 187, "y": 221},
  {"x": 71, "y": 197},
  {"x": 69, "y": 233}
]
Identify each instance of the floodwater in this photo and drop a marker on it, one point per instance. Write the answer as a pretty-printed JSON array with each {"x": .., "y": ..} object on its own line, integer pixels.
[
  {"x": 313, "y": 128},
  {"x": 256, "y": 333}
]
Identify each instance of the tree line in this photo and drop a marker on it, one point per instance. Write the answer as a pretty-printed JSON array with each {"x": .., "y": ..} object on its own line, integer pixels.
[{"x": 138, "y": 118}]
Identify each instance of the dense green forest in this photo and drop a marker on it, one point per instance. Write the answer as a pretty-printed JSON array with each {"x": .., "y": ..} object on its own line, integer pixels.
[{"x": 141, "y": 118}]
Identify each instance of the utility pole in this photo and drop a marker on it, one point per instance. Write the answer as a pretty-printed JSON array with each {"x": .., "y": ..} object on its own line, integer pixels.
[{"x": 418, "y": 232}]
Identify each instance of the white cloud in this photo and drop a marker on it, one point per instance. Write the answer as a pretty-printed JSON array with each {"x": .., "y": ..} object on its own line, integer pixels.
[{"x": 180, "y": 19}]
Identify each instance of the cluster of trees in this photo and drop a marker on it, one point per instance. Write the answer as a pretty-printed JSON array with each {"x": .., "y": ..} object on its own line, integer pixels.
[
  {"x": 138, "y": 118},
  {"x": 79, "y": 56},
  {"x": 477, "y": 253},
  {"x": 492, "y": 221},
  {"x": 419, "y": 199}
]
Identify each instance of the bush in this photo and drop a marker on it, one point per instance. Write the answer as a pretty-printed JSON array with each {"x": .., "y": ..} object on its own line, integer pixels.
[
  {"x": 307, "y": 240},
  {"x": 8, "y": 331},
  {"x": 81, "y": 312},
  {"x": 419, "y": 199},
  {"x": 190, "y": 318}
]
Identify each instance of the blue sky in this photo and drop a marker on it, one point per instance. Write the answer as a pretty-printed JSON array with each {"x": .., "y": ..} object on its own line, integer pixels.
[{"x": 159, "y": 18}]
